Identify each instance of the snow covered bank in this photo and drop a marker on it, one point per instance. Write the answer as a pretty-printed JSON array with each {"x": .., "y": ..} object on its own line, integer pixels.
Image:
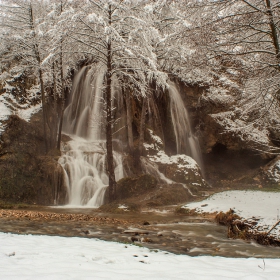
[
  {"x": 258, "y": 207},
  {"x": 50, "y": 257}
]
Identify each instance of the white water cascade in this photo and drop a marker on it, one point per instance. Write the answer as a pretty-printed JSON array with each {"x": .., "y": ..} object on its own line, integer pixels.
[
  {"x": 84, "y": 157},
  {"x": 186, "y": 141}
]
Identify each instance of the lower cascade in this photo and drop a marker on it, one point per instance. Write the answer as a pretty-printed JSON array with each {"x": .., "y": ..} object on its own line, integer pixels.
[{"x": 84, "y": 163}]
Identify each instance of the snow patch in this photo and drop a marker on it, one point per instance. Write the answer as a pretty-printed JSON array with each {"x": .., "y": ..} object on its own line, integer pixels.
[
  {"x": 261, "y": 206},
  {"x": 52, "y": 257}
]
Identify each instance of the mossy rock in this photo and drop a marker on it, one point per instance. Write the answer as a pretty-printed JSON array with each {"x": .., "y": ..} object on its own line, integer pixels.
[
  {"x": 26, "y": 174},
  {"x": 169, "y": 195},
  {"x": 133, "y": 186}
]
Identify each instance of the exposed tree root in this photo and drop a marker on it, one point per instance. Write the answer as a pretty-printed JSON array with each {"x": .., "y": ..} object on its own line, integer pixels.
[{"x": 243, "y": 229}]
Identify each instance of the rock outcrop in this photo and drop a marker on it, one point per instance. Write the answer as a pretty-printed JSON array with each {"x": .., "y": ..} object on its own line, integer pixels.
[{"x": 26, "y": 174}]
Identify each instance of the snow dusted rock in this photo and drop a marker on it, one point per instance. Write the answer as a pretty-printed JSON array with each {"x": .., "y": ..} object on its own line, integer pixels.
[
  {"x": 271, "y": 171},
  {"x": 171, "y": 169},
  {"x": 155, "y": 145},
  {"x": 19, "y": 95},
  {"x": 179, "y": 168}
]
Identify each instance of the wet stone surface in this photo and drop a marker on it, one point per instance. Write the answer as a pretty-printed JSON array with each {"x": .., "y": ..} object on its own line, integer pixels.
[{"x": 178, "y": 234}]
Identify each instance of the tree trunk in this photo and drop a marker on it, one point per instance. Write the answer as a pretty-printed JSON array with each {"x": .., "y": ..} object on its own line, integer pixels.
[
  {"x": 273, "y": 28},
  {"x": 53, "y": 114},
  {"x": 60, "y": 128},
  {"x": 45, "y": 117},
  {"x": 62, "y": 96},
  {"x": 109, "y": 137},
  {"x": 142, "y": 125},
  {"x": 129, "y": 120},
  {"x": 109, "y": 119}
]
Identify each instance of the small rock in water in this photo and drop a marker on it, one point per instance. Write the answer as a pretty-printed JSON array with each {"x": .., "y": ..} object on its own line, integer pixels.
[
  {"x": 85, "y": 231},
  {"x": 136, "y": 231},
  {"x": 145, "y": 223},
  {"x": 159, "y": 234},
  {"x": 133, "y": 239},
  {"x": 204, "y": 205}
]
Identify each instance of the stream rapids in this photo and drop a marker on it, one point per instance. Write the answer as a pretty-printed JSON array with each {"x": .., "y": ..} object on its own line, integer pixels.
[{"x": 160, "y": 229}]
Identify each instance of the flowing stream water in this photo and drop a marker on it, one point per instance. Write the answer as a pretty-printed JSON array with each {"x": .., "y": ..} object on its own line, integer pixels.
[
  {"x": 84, "y": 157},
  {"x": 193, "y": 236}
]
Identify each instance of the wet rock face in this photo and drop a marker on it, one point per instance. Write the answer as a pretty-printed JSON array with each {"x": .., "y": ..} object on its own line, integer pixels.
[
  {"x": 26, "y": 174},
  {"x": 214, "y": 133},
  {"x": 217, "y": 117}
]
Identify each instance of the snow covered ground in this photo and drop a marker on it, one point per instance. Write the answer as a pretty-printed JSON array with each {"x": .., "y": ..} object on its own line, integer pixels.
[
  {"x": 51, "y": 257},
  {"x": 262, "y": 207}
]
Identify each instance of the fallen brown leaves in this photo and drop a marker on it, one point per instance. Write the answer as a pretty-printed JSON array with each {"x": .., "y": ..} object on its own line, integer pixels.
[{"x": 48, "y": 216}]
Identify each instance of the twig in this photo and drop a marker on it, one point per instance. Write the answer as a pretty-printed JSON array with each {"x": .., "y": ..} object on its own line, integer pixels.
[
  {"x": 263, "y": 268},
  {"x": 273, "y": 227}
]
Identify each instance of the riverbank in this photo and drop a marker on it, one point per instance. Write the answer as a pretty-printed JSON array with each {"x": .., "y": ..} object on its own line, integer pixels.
[
  {"x": 249, "y": 215},
  {"x": 156, "y": 229}
]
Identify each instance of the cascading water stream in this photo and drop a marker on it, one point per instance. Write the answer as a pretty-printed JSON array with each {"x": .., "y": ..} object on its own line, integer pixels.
[
  {"x": 186, "y": 141},
  {"x": 84, "y": 157}
]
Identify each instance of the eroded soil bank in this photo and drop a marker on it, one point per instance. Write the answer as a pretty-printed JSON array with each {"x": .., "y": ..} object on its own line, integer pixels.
[
  {"x": 155, "y": 229},
  {"x": 246, "y": 229}
]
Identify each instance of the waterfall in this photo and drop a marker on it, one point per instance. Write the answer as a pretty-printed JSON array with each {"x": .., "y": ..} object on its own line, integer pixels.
[
  {"x": 84, "y": 157},
  {"x": 186, "y": 141}
]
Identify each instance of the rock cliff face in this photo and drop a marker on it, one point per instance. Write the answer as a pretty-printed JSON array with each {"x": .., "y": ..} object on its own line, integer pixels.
[
  {"x": 230, "y": 157},
  {"x": 233, "y": 156},
  {"x": 26, "y": 174}
]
